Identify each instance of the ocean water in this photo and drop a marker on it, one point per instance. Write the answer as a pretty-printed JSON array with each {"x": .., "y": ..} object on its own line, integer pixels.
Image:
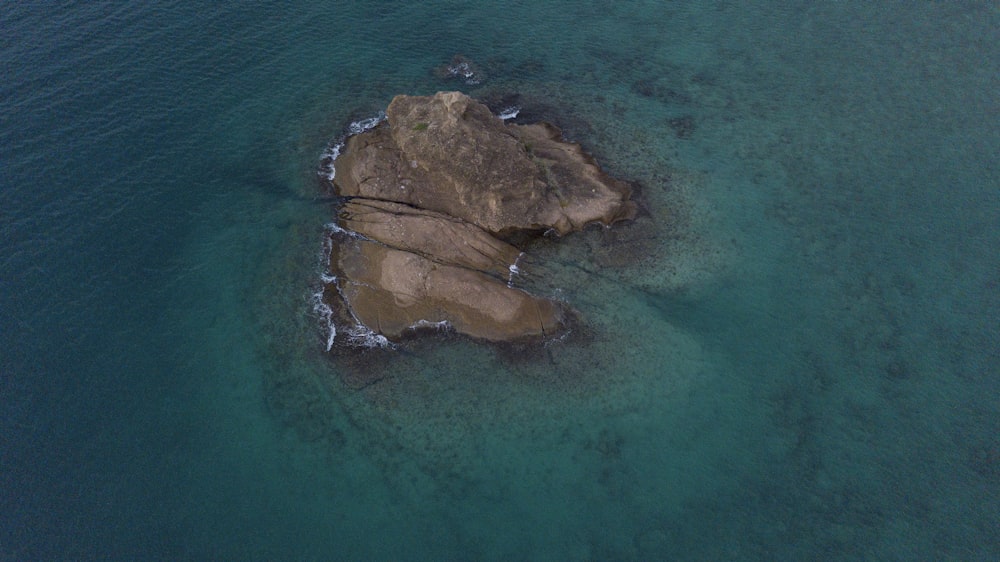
[{"x": 791, "y": 355}]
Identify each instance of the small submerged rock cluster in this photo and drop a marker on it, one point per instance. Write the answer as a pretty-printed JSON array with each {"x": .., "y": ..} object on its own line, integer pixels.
[{"x": 433, "y": 197}]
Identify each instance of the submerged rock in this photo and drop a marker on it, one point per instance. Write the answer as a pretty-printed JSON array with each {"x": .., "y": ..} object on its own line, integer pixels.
[
  {"x": 460, "y": 67},
  {"x": 433, "y": 191}
]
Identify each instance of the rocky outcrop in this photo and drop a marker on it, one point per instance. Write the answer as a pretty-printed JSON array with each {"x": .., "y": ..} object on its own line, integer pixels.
[
  {"x": 432, "y": 193},
  {"x": 435, "y": 236},
  {"x": 394, "y": 291}
]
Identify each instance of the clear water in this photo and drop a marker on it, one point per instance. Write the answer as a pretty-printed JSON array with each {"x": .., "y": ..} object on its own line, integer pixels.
[{"x": 793, "y": 355}]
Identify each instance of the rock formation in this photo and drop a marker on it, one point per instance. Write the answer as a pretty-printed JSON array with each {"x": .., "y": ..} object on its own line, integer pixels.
[{"x": 432, "y": 193}]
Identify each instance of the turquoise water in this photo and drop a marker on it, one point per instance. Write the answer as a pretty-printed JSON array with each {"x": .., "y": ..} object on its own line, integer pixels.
[{"x": 791, "y": 355}]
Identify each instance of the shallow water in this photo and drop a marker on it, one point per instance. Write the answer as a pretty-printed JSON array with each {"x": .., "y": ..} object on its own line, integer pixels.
[{"x": 790, "y": 355}]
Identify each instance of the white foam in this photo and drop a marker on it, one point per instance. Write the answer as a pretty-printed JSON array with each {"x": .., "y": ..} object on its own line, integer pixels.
[
  {"x": 357, "y": 334},
  {"x": 509, "y": 112},
  {"x": 442, "y": 325},
  {"x": 327, "y": 159},
  {"x": 325, "y": 316},
  {"x": 560, "y": 339},
  {"x": 362, "y": 336},
  {"x": 322, "y": 310},
  {"x": 358, "y": 127},
  {"x": 559, "y": 295},
  {"x": 464, "y": 70},
  {"x": 329, "y": 156},
  {"x": 334, "y": 228},
  {"x": 514, "y": 270},
  {"x": 331, "y": 329}
]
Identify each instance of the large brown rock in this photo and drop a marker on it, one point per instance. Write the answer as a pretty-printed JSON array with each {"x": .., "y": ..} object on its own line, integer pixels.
[
  {"x": 435, "y": 236},
  {"x": 448, "y": 153},
  {"x": 392, "y": 292},
  {"x": 432, "y": 191}
]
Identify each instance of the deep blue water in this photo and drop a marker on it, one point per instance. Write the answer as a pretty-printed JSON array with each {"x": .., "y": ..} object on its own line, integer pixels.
[{"x": 792, "y": 355}]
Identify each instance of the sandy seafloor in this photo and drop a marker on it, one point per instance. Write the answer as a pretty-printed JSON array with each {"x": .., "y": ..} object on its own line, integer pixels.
[{"x": 791, "y": 355}]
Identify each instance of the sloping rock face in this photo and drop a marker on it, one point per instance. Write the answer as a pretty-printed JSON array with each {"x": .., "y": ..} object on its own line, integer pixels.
[
  {"x": 433, "y": 192},
  {"x": 435, "y": 236}
]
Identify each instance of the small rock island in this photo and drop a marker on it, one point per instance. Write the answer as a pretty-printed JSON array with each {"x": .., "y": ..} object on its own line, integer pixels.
[{"x": 433, "y": 198}]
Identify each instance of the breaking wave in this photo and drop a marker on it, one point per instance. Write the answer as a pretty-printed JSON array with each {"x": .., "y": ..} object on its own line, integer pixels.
[
  {"x": 514, "y": 270},
  {"x": 332, "y": 228},
  {"x": 323, "y": 312},
  {"x": 356, "y": 334},
  {"x": 509, "y": 112},
  {"x": 439, "y": 326},
  {"x": 325, "y": 316},
  {"x": 332, "y": 151},
  {"x": 360, "y": 335},
  {"x": 463, "y": 69}
]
